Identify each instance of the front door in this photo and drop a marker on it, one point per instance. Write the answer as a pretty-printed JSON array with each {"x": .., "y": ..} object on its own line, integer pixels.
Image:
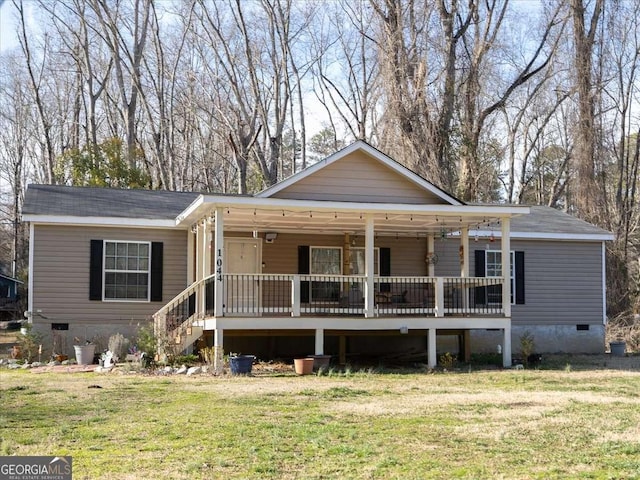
[{"x": 243, "y": 257}]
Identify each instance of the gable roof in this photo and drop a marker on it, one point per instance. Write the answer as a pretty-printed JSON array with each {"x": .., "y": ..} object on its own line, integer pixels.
[
  {"x": 372, "y": 153},
  {"x": 62, "y": 200}
]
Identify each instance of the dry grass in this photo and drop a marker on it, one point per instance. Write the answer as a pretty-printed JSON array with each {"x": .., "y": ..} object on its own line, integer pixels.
[{"x": 486, "y": 424}]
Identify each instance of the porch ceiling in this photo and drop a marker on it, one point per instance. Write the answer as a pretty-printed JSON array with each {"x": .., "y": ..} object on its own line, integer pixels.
[{"x": 242, "y": 214}]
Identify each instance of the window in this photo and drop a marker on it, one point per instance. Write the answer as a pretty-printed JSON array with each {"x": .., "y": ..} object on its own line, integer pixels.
[
  {"x": 357, "y": 261},
  {"x": 326, "y": 261},
  {"x": 493, "y": 265},
  {"x": 127, "y": 269}
]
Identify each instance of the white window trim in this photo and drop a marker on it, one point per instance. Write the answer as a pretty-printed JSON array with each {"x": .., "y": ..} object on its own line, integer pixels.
[
  {"x": 104, "y": 272},
  {"x": 512, "y": 254}
]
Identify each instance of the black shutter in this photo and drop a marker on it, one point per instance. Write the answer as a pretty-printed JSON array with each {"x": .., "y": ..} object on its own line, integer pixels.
[
  {"x": 156, "y": 271},
  {"x": 385, "y": 267},
  {"x": 95, "y": 270},
  {"x": 519, "y": 269},
  {"x": 480, "y": 292},
  {"x": 303, "y": 269}
]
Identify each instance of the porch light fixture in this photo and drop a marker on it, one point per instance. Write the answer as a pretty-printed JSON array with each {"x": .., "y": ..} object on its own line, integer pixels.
[
  {"x": 404, "y": 330},
  {"x": 269, "y": 237}
]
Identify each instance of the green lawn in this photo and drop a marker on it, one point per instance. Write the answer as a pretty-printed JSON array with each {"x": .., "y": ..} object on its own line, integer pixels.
[{"x": 487, "y": 424}]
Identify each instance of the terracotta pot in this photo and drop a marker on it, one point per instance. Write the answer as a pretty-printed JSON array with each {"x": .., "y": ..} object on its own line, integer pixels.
[
  {"x": 16, "y": 352},
  {"x": 303, "y": 366}
]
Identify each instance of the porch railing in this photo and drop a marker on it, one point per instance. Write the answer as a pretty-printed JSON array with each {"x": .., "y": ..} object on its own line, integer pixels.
[{"x": 299, "y": 295}]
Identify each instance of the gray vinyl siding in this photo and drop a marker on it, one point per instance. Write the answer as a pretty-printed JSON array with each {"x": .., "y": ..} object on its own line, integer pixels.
[
  {"x": 61, "y": 273},
  {"x": 407, "y": 254},
  {"x": 356, "y": 178},
  {"x": 563, "y": 280},
  {"x": 563, "y": 283}
]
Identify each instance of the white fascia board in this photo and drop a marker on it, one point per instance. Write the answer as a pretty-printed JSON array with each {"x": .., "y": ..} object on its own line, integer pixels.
[
  {"x": 98, "y": 221},
  {"x": 368, "y": 149},
  {"x": 585, "y": 237},
  {"x": 191, "y": 209},
  {"x": 205, "y": 202}
]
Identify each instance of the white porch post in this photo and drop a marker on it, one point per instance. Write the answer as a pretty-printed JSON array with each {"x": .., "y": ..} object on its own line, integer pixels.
[
  {"x": 206, "y": 253},
  {"x": 464, "y": 264},
  {"x": 319, "y": 341},
  {"x": 198, "y": 253},
  {"x": 439, "y": 297},
  {"x": 369, "y": 294},
  {"x": 219, "y": 284},
  {"x": 218, "y": 348},
  {"x": 464, "y": 259},
  {"x": 506, "y": 288},
  {"x": 431, "y": 348},
  {"x": 431, "y": 248},
  {"x": 191, "y": 274},
  {"x": 205, "y": 260},
  {"x": 506, "y": 348},
  {"x": 506, "y": 266},
  {"x": 295, "y": 296}
]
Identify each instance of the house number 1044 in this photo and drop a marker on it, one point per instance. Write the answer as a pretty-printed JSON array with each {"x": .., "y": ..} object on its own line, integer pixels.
[{"x": 219, "y": 265}]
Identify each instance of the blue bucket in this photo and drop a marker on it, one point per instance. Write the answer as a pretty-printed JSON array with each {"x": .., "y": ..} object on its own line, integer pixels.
[{"x": 241, "y": 364}]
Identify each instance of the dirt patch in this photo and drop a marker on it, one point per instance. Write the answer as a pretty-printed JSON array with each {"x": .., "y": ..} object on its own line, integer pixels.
[{"x": 64, "y": 369}]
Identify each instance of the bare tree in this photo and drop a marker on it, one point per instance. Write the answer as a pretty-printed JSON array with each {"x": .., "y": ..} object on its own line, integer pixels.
[
  {"x": 584, "y": 38},
  {"x": 125, "y": 33}
]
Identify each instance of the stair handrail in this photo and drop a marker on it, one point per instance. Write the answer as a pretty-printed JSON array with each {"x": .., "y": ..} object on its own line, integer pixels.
[{"x": 180, "y": 297}]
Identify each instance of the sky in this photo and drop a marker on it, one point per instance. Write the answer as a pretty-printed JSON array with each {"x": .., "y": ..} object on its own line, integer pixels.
[{"x": 8, "y": 38}]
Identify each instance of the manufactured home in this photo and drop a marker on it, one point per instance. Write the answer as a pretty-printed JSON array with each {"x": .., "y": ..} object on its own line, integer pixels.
[{"x": 353, "y": 256}]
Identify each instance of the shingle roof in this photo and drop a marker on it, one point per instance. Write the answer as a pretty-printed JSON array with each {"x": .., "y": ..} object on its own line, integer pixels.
[
  {"x": 105, "y": 202},
  {"x": 60, "y": 200},
  {"x": 549, "y": 220}
]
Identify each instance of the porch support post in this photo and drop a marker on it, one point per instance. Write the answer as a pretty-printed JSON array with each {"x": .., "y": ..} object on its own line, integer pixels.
[
  {"x": 198, "y": 253},
  {"x": 506, "y": 266},
  {"x": 191, "y": 262},
  {"x": 319, "y": 341},
  {"x": 506, "y": 347},
  {"x": 439, "y": 297},
  {"x": 368, "y": 246},
  {"x": 464, "y": 252},
  {"x": 431, "y": 248},
  {"x": 295, "y": 296},
  {"x": 219, "y": 284},
  {"x": 464, "y": 264},
  {"x": 431, "y": 348},
  {"x": 205, "y": 260},
  {"x": 218, "y": 348},
  {"x": 206, "y": 250}
]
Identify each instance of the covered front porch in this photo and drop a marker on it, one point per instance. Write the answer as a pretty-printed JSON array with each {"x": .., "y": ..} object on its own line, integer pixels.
[{"x": 286, "y": 288}]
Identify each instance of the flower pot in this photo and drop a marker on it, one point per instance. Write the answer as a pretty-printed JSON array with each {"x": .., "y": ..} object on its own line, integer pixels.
[
  {"x": 241, "y": 364},
  {"x": 320, "y": 362},
  {"x": 84, "y": 353},
  {"x": 618, "y": 348},
  {"x": 16, "y": 352},
  {"x": 303, "y": 366}
]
